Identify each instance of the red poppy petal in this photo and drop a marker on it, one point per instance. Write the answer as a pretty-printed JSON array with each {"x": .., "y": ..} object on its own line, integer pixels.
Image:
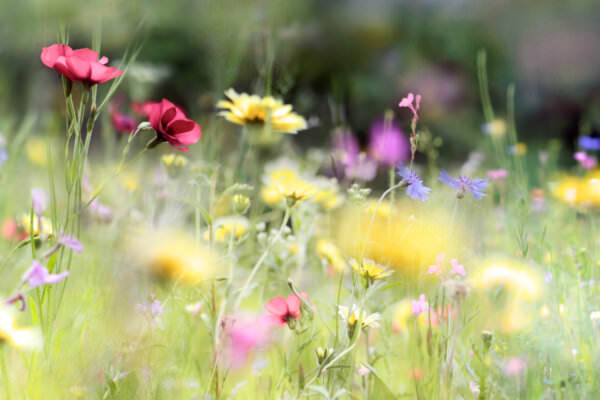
[
  {"x": 86, "y": 54},
  {"x": 293, "y": 304},
  {"x": 51, "y": 53},
  {"x": 79, "y": 68},
  {"x": 167, "y": 116},
  {"x": 277, "y": 306}
]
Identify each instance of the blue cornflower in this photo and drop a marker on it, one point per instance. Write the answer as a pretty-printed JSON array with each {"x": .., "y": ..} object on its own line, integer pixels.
[
  {"x": 462, "y": 183},
  {"x": 414, "y": 184},
  {"x": 589, "y": 143}
]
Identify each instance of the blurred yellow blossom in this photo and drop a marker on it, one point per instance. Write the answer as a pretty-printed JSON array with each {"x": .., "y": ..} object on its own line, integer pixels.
[
  {"x": 9, "y": 332},
  {"x": 401, "y": 236},
  {"x": 25, "y": 223},
  {"x": 329, "y": 252},
  {"x": 37, "y": 151},
  {"x": 226, "y": 228},
  {"x": 175, "y": 255}
]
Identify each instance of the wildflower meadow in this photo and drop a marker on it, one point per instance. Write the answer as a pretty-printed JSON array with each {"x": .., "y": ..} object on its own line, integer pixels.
[{"x": 298, "y": 200}]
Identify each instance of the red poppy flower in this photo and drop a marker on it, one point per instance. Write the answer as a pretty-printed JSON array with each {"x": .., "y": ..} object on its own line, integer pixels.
[
  {"x": 282, "y": 311},
  {"x": 171, "y": 124},
  {"x": 81, "y": 65}
]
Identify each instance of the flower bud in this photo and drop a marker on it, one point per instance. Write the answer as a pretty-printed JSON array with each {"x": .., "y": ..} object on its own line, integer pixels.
[
  {"x": 486, "y": 337},
  {"x": 240, "y": 203}
]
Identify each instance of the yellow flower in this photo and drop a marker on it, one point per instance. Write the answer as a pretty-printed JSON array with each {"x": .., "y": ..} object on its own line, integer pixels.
[
  {"x": 354, "y": 314},
  {"x": 369, "y": 269},
  {"x": 174, "y": 160},
  {"x": 175, "y": 255},
  {"x": 24, "y": 338},
  {"x": 403, "y": 237},
  {"x": 46, "y": 225},
  {"x": 36, "y": 151},
  {"x": 329, "y": 252},
  {"x": 519, "y": 149},
  {"x": 521, "y": 283},
  {"x": 516, "y": 308},
  {"x": 226, "y": 228},
  {"x": 569, "y": 189},
  {"x": 243, "y": 109},
  {"x": 286, "y": 183},
  {"x": 130, "y": 180},
  {"x": 240, "y": 203},
  {"x": 495, "y": 128}
]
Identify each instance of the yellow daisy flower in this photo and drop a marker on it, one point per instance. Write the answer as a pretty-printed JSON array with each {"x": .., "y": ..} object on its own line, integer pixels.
[
  {"x": 244, "y": 109},
  {"x": 369, "y": 269}
]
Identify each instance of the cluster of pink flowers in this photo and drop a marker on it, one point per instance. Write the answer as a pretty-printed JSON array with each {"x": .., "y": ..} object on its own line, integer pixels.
[{"x": 455, "y": 267}]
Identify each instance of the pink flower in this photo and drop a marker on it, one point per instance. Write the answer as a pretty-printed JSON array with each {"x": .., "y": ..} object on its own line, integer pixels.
[
  {"x": 38, "y": 275},
  {"x": 407, "y": 102},
  {"x": 171, "y": 124},
  {"x": 457, "y": 268},
  {"x": 122, "y": 123},
  {"x": 419, "y": 306},
  {"x": 242, "y": 335},
  {"x": 474, "y": 389},
  {"x": 514, "y": 366},
  {"x": 282, "y": 311},
  {"x": 40, "y": 201},
  {"x": 81, "y": 65},
  {"x": 497, "y": 174},
  {"x": 586, "y": 161},
  {"x": 436, "y": 269},
  {"x": 388, "y": 144}
]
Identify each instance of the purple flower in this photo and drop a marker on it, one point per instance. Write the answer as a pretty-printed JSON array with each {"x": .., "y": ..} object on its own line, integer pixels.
[
  {"x": 17, "y": 297},
  {"x": 3, "y": 156},
  {"x": 39, "y": 200},
  {"x": 414, "y": 184},
  {"x": 71, "y": 242},
  {"x": 419, "y": 306},
  {"x": 589, "y": 143},
  {"x": 462, "y": 183},
  {"x": 38, "y": 275},
  {"x": 387, "y": 143},
  {"x": 356, "y": 164}
]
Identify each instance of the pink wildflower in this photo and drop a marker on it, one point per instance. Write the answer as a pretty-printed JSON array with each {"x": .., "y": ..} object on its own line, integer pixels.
[
  {"x": 407, "y": 102},
  {"x": 457, "y": 268},
  {"x": 419, "y": 306},
  {"x": 497, "y": 174},
  {"x": 282, "y": 311}
]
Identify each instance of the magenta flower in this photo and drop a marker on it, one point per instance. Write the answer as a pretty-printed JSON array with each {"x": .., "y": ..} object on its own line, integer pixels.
[
  {"x": 414, "y": 184},
  {"x": 122, "y": 123},
  {"x": 38, "y": 275},
  {"x": 407, "y": 102},
  {"x": 242, "y": 335},
  {"x": 387, "y": 144},
  {"x": 39, "y": 200},
  {"x": 282, "y": 311},
  {"x": 356, "y": 165},
  {"x": 419, "y": 306},
  {"x": 497, "y": 174},
  {"x": 586, "y": 161},
  {"x": 462, "y": 183}
]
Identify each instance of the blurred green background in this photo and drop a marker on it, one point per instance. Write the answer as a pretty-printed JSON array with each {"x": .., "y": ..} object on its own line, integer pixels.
[{"x": 337, "y": 62}]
